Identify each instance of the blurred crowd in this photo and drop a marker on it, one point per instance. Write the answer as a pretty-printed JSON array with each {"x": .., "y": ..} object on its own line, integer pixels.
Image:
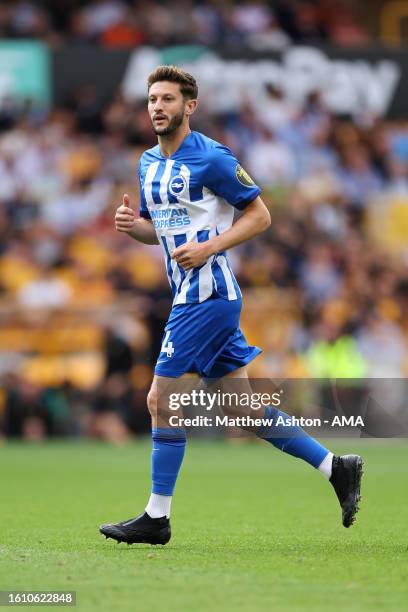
[
  {"x": 82, "y": 307},
  {"x": 258, "y": 24}
]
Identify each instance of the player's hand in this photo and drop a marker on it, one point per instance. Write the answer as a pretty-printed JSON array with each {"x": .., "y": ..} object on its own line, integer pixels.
[
  {"x": 125, "y": 217},
  {"x": 192, "y": 254}
]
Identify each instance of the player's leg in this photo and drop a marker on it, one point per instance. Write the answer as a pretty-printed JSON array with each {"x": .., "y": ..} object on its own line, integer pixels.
[
  {"x": 153, "y": 525},
  {"x": 175, "y": 362},
  {"x": 344, "y": 473},
  {"x": 169, "y": 442},
  {"x": 291, "y": 440}
]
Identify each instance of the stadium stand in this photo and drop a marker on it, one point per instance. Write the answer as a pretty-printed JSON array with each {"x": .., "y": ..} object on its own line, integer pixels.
[{"x": 82, "y": 307}]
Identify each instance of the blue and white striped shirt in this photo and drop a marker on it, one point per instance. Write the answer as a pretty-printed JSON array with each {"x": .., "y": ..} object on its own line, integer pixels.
[{"x": 190, "y": 198}]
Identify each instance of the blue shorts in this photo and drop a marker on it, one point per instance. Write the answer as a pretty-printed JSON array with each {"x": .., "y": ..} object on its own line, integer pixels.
[{"x": 205, "y": 338}]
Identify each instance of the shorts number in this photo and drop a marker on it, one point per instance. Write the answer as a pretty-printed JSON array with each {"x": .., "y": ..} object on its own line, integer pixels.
[{"x": 167, "y": 346}]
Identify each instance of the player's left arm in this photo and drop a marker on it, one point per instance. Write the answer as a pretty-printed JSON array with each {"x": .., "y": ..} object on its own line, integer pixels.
[{"x": 254, "y": 220}]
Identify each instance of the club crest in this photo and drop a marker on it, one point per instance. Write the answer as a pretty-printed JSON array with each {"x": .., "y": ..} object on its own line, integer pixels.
[{"x": 177, "y": 185}]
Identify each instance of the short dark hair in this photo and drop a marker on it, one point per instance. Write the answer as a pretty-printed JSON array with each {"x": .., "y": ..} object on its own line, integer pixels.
[{"x": 188, "y": 84}]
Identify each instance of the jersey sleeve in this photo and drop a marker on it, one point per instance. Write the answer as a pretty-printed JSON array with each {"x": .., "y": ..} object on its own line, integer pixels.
[
  {"x": 144, "y": 211},
  {"x": 226, "y": 178}
]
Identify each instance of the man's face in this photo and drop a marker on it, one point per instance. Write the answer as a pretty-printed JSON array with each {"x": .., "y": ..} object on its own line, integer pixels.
[{"x": 166, "y": 106}]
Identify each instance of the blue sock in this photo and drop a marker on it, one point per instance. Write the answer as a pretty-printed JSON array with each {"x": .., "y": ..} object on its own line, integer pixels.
[
  {"x": 296, "y": 441},
  {"x": 169, "y": 445}
]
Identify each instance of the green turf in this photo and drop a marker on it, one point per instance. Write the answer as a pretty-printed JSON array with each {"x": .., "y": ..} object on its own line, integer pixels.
[{"x": 253, "y": 529}]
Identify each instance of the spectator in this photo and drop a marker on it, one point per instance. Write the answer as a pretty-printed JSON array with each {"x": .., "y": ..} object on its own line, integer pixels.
[
  {"x": 46, "y": 291},
  {"x": 127, "y": 23},
  {"x": 270, "y": 160}
]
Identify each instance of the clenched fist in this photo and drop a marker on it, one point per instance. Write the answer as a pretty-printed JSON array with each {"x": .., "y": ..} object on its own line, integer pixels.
[
  {"x": 192, "y": 254},
  {"x": 125, "y": 217}
]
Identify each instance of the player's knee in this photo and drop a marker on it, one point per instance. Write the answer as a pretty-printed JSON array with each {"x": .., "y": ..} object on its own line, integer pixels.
[{"x": 152, "y": 403}]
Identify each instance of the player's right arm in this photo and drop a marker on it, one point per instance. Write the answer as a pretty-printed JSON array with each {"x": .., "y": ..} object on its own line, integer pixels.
[{"x": 140, "y": 229}]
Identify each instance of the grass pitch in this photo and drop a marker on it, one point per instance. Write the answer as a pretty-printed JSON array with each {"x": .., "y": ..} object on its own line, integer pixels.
[{"x": 253, "y": 529}]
